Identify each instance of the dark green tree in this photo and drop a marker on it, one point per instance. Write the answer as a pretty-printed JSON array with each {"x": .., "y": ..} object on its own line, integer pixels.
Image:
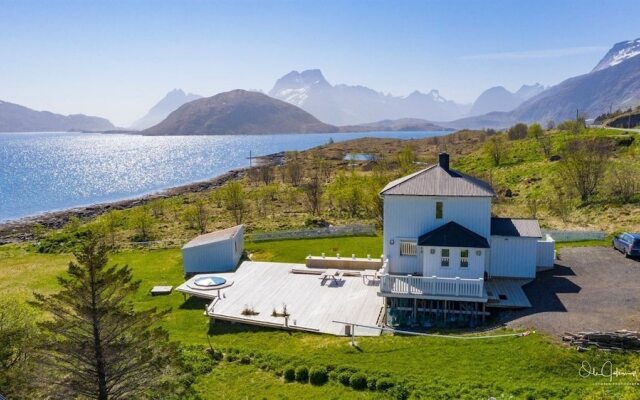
[{"x": 95, "y": 344}]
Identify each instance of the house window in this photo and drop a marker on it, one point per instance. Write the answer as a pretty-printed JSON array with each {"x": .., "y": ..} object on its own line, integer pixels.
[
  {"x": 444, "y": 257},
  {"x": 408, "y": 248},
  {"x": 439, "y": 210},
  {"x": 464, "y": 258}
]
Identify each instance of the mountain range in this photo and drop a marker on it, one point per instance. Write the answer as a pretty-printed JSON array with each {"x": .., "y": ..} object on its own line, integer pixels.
[
  {"x": 350, "y": 105},
  {"x": 318, "y": 106},
  {"x": 17, "y": 118},
  {"x": 498, "y": 98},
  {"x": 169, "y": 103},
  {"x": 613, "y": 84}
]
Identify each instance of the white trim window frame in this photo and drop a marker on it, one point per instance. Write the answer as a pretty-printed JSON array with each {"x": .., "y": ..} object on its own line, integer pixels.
[
  {"x": 445, "y": 258},
  {"x": 464, "y": 258},
  {"x": 408, "y": 247}
]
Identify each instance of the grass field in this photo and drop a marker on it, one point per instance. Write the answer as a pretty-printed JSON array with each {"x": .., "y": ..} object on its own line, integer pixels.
[{"x": 535, "y": 366}]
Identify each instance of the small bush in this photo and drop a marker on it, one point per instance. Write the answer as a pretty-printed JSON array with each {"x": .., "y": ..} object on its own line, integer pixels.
[
  {"x": 333, "y": 376},
  {"x": 302, "y": 374},
  {"x": 289, "y": 374},
  {"x": 245, "y": 360},
  {"x": 318, "y": 376},
  {"x": 344, "y": 378},
  {"x": 399, "y": 392},
  {"x": 230, "y": 357},
  {"x": 372, "y": 383},
  {"x": 358, "y": 381},
  {"x": 214, "y": 354},
  {"x": 384, "y": 384}
]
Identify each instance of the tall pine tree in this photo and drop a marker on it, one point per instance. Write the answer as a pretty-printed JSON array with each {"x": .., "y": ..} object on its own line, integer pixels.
[{"x": 97, "y": 346}]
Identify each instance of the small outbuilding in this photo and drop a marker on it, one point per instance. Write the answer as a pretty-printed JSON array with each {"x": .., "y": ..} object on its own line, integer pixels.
[{"x": 218, "y": 251}]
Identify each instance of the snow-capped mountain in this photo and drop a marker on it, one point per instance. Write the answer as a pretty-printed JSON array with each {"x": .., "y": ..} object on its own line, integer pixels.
[
  {"x": 350, "y": 105},
  {"x": 171, "y": 102},
  {"x": 613, "y": 84},
  {"x": 498, "y": 98},
  {"x": 618, "y": 53}
]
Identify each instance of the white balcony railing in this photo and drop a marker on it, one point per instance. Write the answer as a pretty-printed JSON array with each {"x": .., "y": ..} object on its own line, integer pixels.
[{"x": 433, "y": 285}]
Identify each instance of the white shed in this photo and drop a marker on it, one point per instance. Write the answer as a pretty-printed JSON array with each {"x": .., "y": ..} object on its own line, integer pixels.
[
  {"x": 514, "y": 245},
  {"x": 218, "y": 251}
]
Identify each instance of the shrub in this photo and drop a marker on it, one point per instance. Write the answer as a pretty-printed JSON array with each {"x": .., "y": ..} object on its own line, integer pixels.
[
  {"x": 215, "y": 354},
  {"x": 289, "y": 374},
  {"x": 344, "y": 378},
  {"x": 333, "y": 376},
  {"x": 230, "y": 358},
  {"x": 358, "y": 381},
  {"x": 372, "y": 383},
  {"x": 318, "y": 376},
  {"x": 302, "y": 374},
  {"x": 384, "y": 384},
  {"x": 399, "y": 392},
  {"x": 245, "y": 360}
]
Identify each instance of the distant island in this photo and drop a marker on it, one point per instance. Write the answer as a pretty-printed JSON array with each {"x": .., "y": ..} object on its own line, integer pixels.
[
  {"x": 17, "y": 118},
  {"x": 238, "y": 112}
]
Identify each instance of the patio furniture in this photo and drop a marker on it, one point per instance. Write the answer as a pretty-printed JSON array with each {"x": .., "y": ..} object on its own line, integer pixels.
[
  {"x": 349, "y": 273},
  {"x": 160, "y": 290},
  {"x": 330, "y": 274},
  {"x": 369, "y": 274},
  {"x": 306, "y": 271}
]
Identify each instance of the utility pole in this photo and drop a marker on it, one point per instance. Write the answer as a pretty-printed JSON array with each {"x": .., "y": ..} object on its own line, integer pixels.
[{"x": 250, "y": 160}]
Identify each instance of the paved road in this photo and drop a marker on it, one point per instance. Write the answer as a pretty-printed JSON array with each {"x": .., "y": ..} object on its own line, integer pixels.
[
  {"x": 591, "y": 288},
  {"x": 617, "y": 129}
]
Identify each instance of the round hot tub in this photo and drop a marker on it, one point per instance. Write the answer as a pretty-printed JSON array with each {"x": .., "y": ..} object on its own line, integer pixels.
[{"x": 210, "y": 281}]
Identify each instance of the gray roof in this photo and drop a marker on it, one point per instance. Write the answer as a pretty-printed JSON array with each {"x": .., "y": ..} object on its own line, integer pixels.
[
  {"x": 213, "y": 237},
  {"x": 453, "y": 234},
  {"x": 438, "y": 181},
  {"x": 515, "y": 227}
]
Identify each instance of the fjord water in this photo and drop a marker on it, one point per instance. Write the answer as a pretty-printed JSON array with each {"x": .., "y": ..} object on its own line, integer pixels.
[{"x": 41, "y": 172}]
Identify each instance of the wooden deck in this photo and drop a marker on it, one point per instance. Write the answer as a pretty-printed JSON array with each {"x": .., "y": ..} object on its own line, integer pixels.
[
  {"x": 263, "y": 287},
  {"x": 506, "y": 293}
]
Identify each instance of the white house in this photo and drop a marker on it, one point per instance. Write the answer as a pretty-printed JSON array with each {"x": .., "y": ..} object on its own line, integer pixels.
[
  {"x": 446, "y": 256},
  {"x": 218, "y": 251}
]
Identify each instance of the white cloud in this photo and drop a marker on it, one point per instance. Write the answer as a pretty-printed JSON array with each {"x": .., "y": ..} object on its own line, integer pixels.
[{"x": 532, "y": 54}]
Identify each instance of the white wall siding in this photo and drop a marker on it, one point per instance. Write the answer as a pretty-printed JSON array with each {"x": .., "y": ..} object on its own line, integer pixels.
[
  {"x": 432, "y": 263},
  {"x": 546, "y": 254},
  {"x": 513, "y": 257},
  {"x": 221, "y": 256},
  {"x": 408, "y": 217}
]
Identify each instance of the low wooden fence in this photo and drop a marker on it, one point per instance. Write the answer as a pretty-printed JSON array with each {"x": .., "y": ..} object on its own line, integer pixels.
[{"x": 346, "y": 230}]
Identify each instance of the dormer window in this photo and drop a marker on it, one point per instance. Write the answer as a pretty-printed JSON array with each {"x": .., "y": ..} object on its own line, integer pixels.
[{"x": 439, "y": 209}]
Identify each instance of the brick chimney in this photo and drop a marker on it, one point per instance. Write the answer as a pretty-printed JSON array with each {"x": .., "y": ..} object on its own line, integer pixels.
[{"x": 443, "y": 161}]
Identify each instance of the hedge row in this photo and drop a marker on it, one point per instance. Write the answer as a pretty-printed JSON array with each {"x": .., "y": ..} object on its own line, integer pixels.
[{"x": 319, "y": 375}]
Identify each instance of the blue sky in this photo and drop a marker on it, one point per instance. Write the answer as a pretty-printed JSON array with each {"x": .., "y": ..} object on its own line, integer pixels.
[{"x": 117, "y": 58}]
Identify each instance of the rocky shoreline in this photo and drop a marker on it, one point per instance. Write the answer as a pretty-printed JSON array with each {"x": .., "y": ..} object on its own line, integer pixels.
[{"x": 22, "y": 229}]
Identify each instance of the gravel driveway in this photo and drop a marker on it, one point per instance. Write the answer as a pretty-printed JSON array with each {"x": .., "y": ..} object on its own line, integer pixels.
[{"x": 590, "y": 288}]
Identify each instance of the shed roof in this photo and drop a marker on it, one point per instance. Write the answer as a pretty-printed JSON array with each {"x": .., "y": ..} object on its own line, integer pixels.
[
  {"x": 453, "y": 234},
  {"x": 213, "y": 237},
  {"x": 518, "y": 227},
  {"x": 438, "y": 181}
]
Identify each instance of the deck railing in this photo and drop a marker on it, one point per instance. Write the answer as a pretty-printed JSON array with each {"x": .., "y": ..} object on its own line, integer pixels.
[{"x": 433, "y": 285}]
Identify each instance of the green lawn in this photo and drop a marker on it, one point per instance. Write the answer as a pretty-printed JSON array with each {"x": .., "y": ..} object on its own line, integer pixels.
[{"x": 535, "y": 366}]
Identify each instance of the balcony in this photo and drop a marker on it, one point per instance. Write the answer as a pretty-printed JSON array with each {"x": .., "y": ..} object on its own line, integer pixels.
[{"x": 433, "y": 286}]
